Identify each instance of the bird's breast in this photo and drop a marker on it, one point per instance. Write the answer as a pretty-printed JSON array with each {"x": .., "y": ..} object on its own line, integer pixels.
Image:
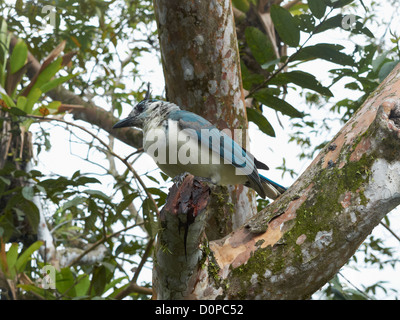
[{"x": 177, "y": 151}]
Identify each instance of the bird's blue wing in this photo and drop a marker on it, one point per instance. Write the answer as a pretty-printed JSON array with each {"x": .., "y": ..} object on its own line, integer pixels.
[{"x": 221, "y": 144}]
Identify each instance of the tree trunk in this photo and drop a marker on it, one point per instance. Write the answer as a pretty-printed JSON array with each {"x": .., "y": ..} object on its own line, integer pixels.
[
  {"x": 15, "y": 155},
  {"x": 201, "y": 66},
  {"x": 294, "y": 246}
]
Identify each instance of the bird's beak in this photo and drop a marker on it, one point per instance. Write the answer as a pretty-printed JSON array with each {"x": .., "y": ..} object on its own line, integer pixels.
[{"x": 127, "y": 122}]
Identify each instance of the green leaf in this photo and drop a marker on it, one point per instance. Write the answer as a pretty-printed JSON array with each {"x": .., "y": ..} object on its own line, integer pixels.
[
  {"x": 5, "y": 39},
  {"x": 54, "y": 105},
  {"x": 113, "y": 283},
  {"x": 260, "y": 121},
  {"x": 73, "y": 203},
  {"x": 31, "y": 99},
  {"x": 44, "y": 76},
  {"x": 285, "y": 25},
  {"x": 259, "y": 44},
  {"x": 45, "y": 293},
  {"x": 331, "y": 23},
  {"x": 48, "y": 73},
  {"x": 128, "y": 199},
  {"x": 325, "y": 51},
  {"x": 31, "y": 212},
  {"x": 28, "y": 192},
  {"x": 164, "y": 176},
  {"x": 305, "y": 22},
  {"x": 9, "y": 102},
  {"x": 150, "y": 221},
  {"x": 65, "y": 281},
  {"x": 56, "y": 82},
  {"x": 4, "y": 43},
  {"x": 302, "y": 79},
  {"x": 17, "y": 112},
  {"x": 18, "y": 56},
  {"x": 277, "y": 104},
  {"x": 26, "y": 255},
  {"x": 85, "y": 180},
  {"x": 337, "y": 22},
  {"x": 76, "y": 174},
  {"x": 21, "y": 102},
  {"x": 270, "y": 63},
  {"x": 379, "y": 61},
  {"x": 98, "y": 194},
  {"x": 162, "y": 195},
  {"x": 386, "y": 69},
  {"x": 12, "y": 256},
  {"x": 250, "y": 79},
  {"x": 5, "y": 180},
  {"x": 99, "y": 280},
  {"x": 242, "y": 5},
  {"x": 94, "y": 213},
  {"x": 82, "y": 285},
  {"x": 360, "y": 28},
  {"x": 317, "y": 8}
]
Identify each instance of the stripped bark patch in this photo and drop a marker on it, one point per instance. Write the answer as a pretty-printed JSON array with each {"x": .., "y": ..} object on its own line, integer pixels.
[{"x": 362, "y": 147}]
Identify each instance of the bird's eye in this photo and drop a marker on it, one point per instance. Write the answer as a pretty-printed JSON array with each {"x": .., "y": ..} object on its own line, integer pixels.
[{"x": 140, "y": 107}]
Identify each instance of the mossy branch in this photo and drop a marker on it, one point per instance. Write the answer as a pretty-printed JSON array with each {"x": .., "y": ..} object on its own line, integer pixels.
[{"x": 294, "y": 246}]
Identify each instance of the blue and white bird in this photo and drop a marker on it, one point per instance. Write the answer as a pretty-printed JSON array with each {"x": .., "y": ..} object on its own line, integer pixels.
[{"x": 204, "y": 151}]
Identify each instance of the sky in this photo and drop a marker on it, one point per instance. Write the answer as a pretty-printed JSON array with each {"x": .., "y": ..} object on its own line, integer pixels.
[{"x": 62, "y": 158}]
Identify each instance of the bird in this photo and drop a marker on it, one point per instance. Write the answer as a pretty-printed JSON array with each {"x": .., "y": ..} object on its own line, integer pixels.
[{"x": 183, "y": 142}]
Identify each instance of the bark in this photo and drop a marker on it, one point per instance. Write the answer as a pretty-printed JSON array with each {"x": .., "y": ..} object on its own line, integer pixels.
[
  {"x": 15, "y": 152},
  {"x": 300, "y": 241},
  {"x": 177, "y": 250}
]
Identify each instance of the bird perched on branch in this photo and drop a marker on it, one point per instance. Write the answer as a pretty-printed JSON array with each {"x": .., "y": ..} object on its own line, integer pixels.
[{"x": 181, "y": 141}]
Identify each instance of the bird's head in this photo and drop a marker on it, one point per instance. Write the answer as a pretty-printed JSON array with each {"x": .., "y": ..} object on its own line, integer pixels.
[{"x": 141, "y": 113}]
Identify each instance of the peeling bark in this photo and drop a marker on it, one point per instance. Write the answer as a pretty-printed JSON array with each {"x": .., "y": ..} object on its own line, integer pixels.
[{"x": 177, "y": 252}]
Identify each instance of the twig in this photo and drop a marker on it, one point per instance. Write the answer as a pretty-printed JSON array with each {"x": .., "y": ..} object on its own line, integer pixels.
[
  {"x": 127, "y": 164},
  {"x": 290, "y": 4},
  {"x": 97, "y": 243},
  {"x": 131, "y": 288},
  {"x": 390, "y": 230},
  {"x": 144, "y": 259}
]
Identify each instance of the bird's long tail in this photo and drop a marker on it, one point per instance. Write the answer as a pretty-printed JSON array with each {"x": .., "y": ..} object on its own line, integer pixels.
[{"x": 272, "y": 189}]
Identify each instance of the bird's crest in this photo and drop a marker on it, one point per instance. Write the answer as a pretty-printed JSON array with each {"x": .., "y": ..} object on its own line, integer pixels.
[{"x": 148, "y": 92}]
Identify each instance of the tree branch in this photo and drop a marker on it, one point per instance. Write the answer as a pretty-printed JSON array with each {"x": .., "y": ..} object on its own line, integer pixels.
[
  {"x": 133, "y": 288},
  {"x": 300, "y": 241},
  {"x": 178, "y": 249},
  {"x": 294, "y": 246}
]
